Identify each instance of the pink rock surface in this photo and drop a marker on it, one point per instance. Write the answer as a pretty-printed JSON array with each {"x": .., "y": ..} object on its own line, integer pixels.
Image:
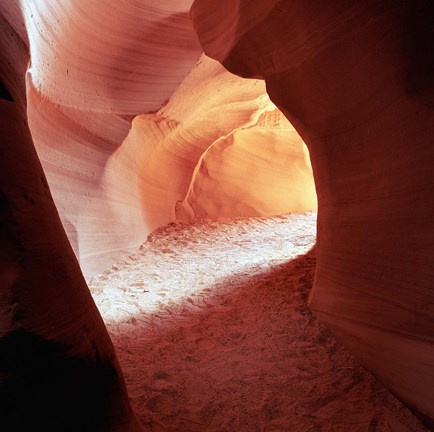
[
  {"x": 356, "y": 80},
  {"x": 113, "y": 181},
  {"x": 56, "y": 358},
  {"x": 94, "y": 66},
  {"x": 125, "y": 57},
  {"x": 75, "y": 76}
]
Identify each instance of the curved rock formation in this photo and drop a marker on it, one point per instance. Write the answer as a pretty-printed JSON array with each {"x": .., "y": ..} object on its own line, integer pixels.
[
  {"x": 218, "y": 148},
  {"x": 94, "y": 66},
  {"x": 114, "y": 182},
  {"x": 77, "y": 75},
  {"x": 356, "y": 80},
  {"x": 57, "y": 365},
  {"x": 258, "y": 171},
  {"x": 125, "y": 57}
]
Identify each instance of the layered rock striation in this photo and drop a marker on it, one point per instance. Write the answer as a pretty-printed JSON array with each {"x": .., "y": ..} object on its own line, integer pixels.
[
  {"x": 94, "y": 66},
  {"x": 58, "y": 367},
  {"x": 132, "y": 131},
  {"x": 356, "y": 80},
  {"x": 114, "y": 179},
  {"x": 86, "y": 116}
]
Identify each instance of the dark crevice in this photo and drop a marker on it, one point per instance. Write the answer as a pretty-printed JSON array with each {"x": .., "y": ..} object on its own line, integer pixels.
[
  {"x": 4, "y": 93},
  {"x": 43, "y": 387}
]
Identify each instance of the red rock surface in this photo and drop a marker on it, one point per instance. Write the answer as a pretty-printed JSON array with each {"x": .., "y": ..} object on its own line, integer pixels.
[
  {"x": 75, "y": 75},
  {"x": 356, "y": 80},
  {"x": 132, "y": 132},
  {"x": 213, "y": 332},
  {"x": 56, "y": 358}
]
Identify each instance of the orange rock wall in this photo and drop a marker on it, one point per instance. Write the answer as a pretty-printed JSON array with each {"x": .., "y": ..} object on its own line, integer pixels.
[
  {"x": 93, "y": 69},
  {"x": 218, "y": 148},
  {"x": 115, "y": 177},
  {"x": 356, "y": 80}
]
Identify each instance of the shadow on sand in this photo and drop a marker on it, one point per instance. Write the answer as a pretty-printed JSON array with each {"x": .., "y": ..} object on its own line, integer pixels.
[{"x": 247, "y": 355}]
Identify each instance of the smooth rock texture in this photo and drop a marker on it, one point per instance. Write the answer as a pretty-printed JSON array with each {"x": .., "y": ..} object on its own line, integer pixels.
[
  {"x": 101, "y": 215},
  {"x": 218, "y": 148},
  {"x": 122, "y": 57},
  {"x": 75, "y": 75},
  {"x": 94, "y": 66},
  {"x": 356, "y": 80},
  {"x": 255, "y": 171},
  {"x": 115, "y": 177},
  {"x": 58, "y": 367}
]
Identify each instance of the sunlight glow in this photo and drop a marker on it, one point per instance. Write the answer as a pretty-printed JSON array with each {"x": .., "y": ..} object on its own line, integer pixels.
[{"x": 168, "y": 270}]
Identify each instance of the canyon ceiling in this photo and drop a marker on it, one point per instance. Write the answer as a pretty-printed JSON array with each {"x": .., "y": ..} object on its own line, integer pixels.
[{"x": 113, "y": 122}]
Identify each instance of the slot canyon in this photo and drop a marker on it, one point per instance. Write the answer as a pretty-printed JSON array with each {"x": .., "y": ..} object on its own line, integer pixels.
[{"x": 217, "y": 215}]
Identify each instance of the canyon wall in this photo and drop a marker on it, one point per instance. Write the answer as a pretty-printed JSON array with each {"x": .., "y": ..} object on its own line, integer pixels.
[
  {"x": 356, "y": 80},
  {"x": 120, "y": 134},
  {"x": 58, "y": 367},
  {"x": 85, "y": 115},
  {"x": 218, "y": 148},
  {"x": 124, "y": 152},
  {"x": 95, "y": 65}
]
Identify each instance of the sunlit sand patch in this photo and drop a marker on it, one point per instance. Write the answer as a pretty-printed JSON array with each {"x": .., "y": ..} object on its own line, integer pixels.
[
  {"x": 181, "y": 259},
  {"x": 211, "y": 326}
]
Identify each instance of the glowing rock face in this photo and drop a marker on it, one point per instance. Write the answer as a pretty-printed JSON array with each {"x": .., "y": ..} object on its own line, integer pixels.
[
  {"x": 94, "y": 66},
  {"x": 254, "y": 171},
  {"x": 114, "y": 182},
  {"x": 218, "y": 148},
  {"x": 356, "y": 81}
]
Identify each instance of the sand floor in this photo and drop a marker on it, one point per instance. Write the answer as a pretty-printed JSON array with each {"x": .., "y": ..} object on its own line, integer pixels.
[{"x": 211, "y": 326}]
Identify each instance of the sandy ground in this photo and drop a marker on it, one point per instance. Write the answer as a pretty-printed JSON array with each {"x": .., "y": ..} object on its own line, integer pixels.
[{"x": 211, "y": 326}]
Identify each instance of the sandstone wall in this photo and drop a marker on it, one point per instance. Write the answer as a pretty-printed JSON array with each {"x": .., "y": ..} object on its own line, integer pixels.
[{"x": 356, "y": 80}]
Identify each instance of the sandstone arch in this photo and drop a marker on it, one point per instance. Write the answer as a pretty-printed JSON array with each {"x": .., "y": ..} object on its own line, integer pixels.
[{"x": 356, "y": 80}]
